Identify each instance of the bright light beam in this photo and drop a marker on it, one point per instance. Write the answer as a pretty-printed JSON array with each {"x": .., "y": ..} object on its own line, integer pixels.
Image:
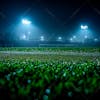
[
  {"x": 26, "y": 22},
  {"x": 84, "y": 27},
  {"x": 74, "y": 37}
]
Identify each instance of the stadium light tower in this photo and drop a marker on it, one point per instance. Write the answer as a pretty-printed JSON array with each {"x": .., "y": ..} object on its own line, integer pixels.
[
  {"x": 59, "y": 38},
  {"x": 84, "y": 27},
  {"x": 26, "y": 26},
  {"x": 26, "y": 22}
]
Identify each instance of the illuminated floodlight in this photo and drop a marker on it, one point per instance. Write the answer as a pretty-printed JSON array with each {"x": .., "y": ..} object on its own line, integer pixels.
[
  {"x": 74, "y": 37},
  {"x": 59, "y": 38},
  {"x": 26, "y": 22},
  {"x": 84, "y": 27},
  {"x": 42, "y": 38},
  {"x": 71, "y": 39},
  {"x": 23, "y": 37}
]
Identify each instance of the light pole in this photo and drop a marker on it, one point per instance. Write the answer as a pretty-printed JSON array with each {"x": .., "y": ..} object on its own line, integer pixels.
[
  {"x": 27, "y": 23},
  {"x": 84, "y": 31}
]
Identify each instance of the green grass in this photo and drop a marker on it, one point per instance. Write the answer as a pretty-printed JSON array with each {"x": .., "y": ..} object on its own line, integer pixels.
[
  {"x": 78, "y": 49},
  {"x": 49, "y": 77}
]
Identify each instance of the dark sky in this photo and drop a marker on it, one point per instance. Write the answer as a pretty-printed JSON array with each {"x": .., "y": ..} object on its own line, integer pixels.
[{"x": 51, "y": 16}]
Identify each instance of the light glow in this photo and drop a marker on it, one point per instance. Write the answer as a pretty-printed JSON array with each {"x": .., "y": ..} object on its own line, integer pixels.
[
  {"x": 26, "y": 22},
  {"x": 85, "y": 36},
  {"x": 23, "y": 37},
  {"x": 42, "y": 38},
  {"x": 71, "y": 39},
  {"x": 95, "y": 39},
  {"x": 59, "y": 38},
  {"x": 29, "y": 33},
  {"x": 84, "y": 27},
  {"x": 74, "y": 36}
]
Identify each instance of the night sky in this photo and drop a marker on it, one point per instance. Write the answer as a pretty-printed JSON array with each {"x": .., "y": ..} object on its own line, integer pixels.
[{"x": 51, "y": 16}]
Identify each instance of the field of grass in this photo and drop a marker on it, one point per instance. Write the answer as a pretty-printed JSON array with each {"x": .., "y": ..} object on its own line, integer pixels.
[
  {"x": 49, "y": 76},
  {"x": 77, "y": 49}
]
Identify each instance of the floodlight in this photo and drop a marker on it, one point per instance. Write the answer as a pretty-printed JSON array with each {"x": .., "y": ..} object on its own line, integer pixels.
[
  {"x": 59, "y": 38},
  {"x": 26, "y": 22},
  {"x": 42, "y": 38},
  {"x": 24, "y": 37},
  {"x": 84, "y": 27},
  {"x": 74, "y": 36},
  {"x": 71, "y": 39}
]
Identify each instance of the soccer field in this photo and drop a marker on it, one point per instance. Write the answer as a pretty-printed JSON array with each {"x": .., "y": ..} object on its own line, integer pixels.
[{"x": 50, "y": 73}]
